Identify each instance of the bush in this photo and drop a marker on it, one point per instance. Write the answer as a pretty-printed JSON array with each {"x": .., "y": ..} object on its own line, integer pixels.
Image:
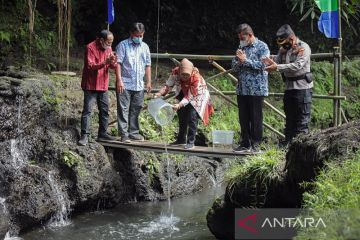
[
  {"x": 255, "y": 174},
  {"x": 336, "y": 197}
]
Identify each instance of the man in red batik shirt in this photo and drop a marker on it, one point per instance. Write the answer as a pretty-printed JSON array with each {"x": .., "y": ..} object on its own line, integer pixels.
[{"x": 99, "y": 57}]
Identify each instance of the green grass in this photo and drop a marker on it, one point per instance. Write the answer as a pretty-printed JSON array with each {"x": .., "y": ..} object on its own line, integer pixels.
[
  {"x": 256, "y": 173},
  {"x": 263, "y": 165},
  {"x": 338, "y": 185},
  {"x": 336, "y": 196}
]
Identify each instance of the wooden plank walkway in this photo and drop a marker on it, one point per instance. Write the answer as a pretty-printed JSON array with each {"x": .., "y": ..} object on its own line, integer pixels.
[{"x": 160, "y": 148}]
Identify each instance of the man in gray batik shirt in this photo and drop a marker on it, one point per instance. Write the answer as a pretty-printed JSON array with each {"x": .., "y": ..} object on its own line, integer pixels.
[{"x": 293, "y": 62}]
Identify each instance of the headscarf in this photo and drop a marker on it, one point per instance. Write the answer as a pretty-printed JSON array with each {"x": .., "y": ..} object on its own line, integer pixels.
[{"x": 191, "y": 83}]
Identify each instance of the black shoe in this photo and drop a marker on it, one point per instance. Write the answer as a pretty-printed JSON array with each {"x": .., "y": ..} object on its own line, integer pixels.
[
  {"x": 106, "y": 137},
  {"x": 125, "y": 139},
  {"x": 137, "y": 138},
  {"x": 256, "y": 149},
  {"x": 189, "y": 146},
  {"x": 284, "y": 144},
  {"x": 83, "y": 140},
  {"x": 177, "y": 142},
  {"x": 241, "y": 149}
]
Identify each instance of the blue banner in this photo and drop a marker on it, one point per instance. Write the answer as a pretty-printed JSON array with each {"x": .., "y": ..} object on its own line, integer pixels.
[
  {"x": 329, "y": 24},
  {"x": 111, "y": 12}
]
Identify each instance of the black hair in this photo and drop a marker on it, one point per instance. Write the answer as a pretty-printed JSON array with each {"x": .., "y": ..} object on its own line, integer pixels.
[
  {"x": 137, "y": 27},
  {"x": 244, "y": 28},
  {"x": 104, "y": 34}
]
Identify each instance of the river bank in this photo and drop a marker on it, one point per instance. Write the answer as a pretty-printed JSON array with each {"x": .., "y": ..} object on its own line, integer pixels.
[{"x": 46, "y": 178}]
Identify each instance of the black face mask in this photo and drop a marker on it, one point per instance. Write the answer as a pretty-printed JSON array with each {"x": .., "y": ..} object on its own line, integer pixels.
[{"x": 286, "y": 45}]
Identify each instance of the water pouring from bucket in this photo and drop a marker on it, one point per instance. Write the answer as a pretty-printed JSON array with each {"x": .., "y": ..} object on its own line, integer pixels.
[{"x": 161, "y": 111}]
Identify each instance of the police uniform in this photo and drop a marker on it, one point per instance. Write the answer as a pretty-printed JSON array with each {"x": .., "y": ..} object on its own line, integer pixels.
[{"x": 294, "y": 65}]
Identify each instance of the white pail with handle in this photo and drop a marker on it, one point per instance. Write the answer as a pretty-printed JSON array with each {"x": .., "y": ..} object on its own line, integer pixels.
[{"x": 161, "y": 111}]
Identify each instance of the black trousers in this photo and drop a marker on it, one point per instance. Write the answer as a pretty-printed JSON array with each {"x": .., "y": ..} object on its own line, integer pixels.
[
  {"x": 188, "y": 121},
  {"x": 297, "y": 107},
  {"x": 103, "y": 105},
  {"x": 251, "y": 119}
]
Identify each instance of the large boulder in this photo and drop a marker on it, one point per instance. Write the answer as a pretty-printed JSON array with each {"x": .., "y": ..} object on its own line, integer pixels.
[
  {"x": 41, "y": 167},
  {"x": 304, "y": 159},
  {"x": 150, "y": 175}
]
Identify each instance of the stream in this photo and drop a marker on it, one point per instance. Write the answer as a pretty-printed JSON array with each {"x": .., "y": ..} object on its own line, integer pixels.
[{"x": 184, "y": 219}]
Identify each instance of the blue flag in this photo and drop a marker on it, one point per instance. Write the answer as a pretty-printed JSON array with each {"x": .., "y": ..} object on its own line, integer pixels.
[
  {"x": 329, "y": 19},
  {"x": 111, "y": 12},
  {"x": 329, "y": 24}
]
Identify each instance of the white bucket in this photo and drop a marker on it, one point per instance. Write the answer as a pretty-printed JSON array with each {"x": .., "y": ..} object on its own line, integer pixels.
[
  {"x": 224, "y": 137},
  {"x": 161, "y": 111}
]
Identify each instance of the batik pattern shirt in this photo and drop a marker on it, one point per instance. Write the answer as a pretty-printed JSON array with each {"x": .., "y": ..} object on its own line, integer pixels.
[
  {"x": 253, "y": 80},
  {"x": 133, "y": 58}
]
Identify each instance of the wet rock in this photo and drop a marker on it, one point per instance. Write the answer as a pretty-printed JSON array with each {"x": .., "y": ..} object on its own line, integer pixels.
[
  {"x": 31, "y": 199},
  {"x": 32, "y": 145},
  {"x": 220, "y": 219},
  {"x": 95, "y": 179},
  {"x": 308, "y": 153},
  {"x": 4, "y": 219},
  {"x": 148, "y": 174}
]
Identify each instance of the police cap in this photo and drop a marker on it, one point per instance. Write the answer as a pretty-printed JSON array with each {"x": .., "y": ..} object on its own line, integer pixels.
[{"x": 283, "y": 33}]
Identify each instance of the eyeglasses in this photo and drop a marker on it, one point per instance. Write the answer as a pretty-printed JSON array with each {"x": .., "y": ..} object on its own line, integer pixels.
[
  {"x": 281, "y": 41},
  {"x": 107, "y": 44}
]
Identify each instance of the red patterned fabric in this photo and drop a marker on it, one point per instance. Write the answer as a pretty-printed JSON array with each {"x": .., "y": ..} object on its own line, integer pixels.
[{"x": 195, "y": 92}]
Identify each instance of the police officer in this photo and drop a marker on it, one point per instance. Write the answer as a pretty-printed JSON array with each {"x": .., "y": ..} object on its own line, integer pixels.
[{"x": 293, "y": 62}]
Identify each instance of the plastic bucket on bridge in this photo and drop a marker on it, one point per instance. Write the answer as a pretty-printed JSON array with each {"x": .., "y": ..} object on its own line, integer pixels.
[
  {"x": 161, "y": 111},
  {"x": 222, "y": 137}
]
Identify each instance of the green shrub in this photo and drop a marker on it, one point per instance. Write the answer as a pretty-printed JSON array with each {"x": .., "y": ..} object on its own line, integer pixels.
[
  {"x": 335, "y": 196},
  {"x": 255, "y": 174},
  {"x": 73, "y": 160},
  {"x": 263, "y": 165}
]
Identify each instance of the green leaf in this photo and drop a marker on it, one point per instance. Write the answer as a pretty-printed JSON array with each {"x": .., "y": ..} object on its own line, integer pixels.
[
  {"x": 310, "y": 10},
  {"x": 293, "y": 8},
  {"x": 313, "y": 14},
  {"x": 302, "y": 3}
]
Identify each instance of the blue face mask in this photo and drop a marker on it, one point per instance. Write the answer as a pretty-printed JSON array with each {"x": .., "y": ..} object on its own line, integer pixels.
[{"x": 137, "y": 40}]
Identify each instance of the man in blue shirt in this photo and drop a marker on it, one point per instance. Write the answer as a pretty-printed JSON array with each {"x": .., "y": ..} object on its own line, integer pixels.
[
  {"x": 135, "y": 61},
  {"x": 252, "y": 87}
]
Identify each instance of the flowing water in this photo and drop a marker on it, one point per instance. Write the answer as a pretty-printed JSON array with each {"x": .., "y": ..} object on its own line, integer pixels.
[
  {"x": 141, "y": 220},
  {"x": 9, "y": 237},
  {"x": 182, "y": 218},
  {"x": 60, "y": 219},
  {"x": 2, "y": 203},
  {"x": 19, "y": 102},
  {"x": 17, "y": 156}
]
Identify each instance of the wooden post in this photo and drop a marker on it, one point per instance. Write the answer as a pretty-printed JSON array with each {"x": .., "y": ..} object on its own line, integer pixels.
[
  {"x": 338, "y": 93},
  {"x": 336, "y": 87},
  {"x": 343, "y": 115},
  {"x": 219, "y": 67}
]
